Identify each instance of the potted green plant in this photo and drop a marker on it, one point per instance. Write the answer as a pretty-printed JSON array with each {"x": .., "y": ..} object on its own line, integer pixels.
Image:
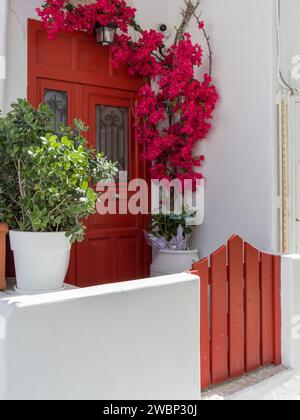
[
  {"x": 46, "y": 190},
  {"x": 170, "y": 235}
]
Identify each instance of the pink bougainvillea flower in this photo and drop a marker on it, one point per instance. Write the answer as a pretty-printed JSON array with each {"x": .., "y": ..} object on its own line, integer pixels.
[
  {"x": 61, "y": 15},
  {"x": 174, "y": 109}
]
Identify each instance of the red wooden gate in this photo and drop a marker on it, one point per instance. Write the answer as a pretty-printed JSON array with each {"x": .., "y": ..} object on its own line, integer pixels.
[{"x": 240, "y": 311}]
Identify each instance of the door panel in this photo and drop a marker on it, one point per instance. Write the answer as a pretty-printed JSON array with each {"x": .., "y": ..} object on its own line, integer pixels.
[
  {"x": 99, "y": 261},
  {"x": 46, "y": 52},
  {"x": 60, "y": 96},
  {"x": 112, "y": 134},
  {"x": 128, "y": 249},
  {"x": 108, "y": 114}
]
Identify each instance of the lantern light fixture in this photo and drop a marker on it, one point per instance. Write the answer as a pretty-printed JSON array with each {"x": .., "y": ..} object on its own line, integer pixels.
[{"x": 105, "y": 35}]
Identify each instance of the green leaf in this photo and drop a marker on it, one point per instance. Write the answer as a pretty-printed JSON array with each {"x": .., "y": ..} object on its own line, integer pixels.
[
  {"x": 84, "y": 185},
  {"x": 69, "y": 7}
]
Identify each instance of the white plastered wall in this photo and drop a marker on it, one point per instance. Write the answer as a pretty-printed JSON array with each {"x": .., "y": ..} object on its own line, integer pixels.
[
  {"x": 291, "y": 311},
  {"x": 240, "y": 150},
  {"x": 240, "y": 163},
  {"x": 3, "y": 49},
  {"x": 290, "y": 50},
  {"x": 131, "y": 341}
]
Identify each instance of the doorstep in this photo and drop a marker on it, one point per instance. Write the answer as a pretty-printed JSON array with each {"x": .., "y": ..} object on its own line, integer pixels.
[
  {"x": 10, "y": 290},
  {"x": 252, "y": 386}
]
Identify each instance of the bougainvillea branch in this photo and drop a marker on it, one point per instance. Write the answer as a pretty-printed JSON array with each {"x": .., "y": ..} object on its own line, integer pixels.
[
  {"x": 207, "y": 38},
  {"x": 187, "y": 13},
  {"x": 174, "y": 108}
]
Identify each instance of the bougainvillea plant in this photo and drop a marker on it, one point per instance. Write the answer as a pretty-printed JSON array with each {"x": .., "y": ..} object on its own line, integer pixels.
[
  {"x": 174, "y": 107},
  {"x": 74, "y": 15}
]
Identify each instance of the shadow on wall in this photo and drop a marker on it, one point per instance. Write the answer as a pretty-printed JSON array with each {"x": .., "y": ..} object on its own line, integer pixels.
[{"x": 10, "y": 266}]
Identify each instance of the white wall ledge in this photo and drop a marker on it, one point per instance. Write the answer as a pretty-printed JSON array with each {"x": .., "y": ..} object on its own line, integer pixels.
[
  {"x": 135, "y": 340},
  {"x": 21, "y": 301}
]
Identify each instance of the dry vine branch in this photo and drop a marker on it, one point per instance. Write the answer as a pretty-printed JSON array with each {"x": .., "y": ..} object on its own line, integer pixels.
[
  {"x": 140, "y": 30},
  {"x": 210, "y": 53},
  {"x": 187, "y": 14},
  {"x": 82, "y": 2}
]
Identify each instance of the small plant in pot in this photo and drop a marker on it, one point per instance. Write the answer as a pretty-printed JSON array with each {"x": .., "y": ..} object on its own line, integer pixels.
[
  {"x": 170, "y": 235},
  {"x": 46, "y": 191}
]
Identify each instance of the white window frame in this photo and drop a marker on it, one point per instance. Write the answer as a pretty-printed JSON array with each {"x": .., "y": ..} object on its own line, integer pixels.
[{"x": 289, "y": 226}]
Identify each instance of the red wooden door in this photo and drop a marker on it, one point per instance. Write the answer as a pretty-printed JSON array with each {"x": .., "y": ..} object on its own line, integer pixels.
[
  {"x": 74, "y": 76},
  {"x": 114, "y": 246}
]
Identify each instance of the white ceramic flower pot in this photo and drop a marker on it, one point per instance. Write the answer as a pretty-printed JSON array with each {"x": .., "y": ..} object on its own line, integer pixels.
[
  {"x": 168, "y": 262},
  {"x": 41, "y": 260}
]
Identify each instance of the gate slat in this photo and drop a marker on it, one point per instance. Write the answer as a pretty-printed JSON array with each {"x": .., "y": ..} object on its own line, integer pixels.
[
  {"x": 219, "y": 318},
  {"x": 267, "y": 309},
  {"x": 203, "y": 272},
  {"x": 277, "y": 309},
  {"x": 236, "y": 307},
  {"x": 252, "y": 308}
]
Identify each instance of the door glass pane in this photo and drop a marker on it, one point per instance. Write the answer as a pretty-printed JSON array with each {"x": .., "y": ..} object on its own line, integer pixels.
[
  {"x": 112, "y": 134},
  {"x": 58, "y": 101}
]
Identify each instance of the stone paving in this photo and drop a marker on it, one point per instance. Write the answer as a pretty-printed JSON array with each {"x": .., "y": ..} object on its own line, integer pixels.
[
  {"x": 250, "y": 380},
  {"x": 289, "y": 391}
]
